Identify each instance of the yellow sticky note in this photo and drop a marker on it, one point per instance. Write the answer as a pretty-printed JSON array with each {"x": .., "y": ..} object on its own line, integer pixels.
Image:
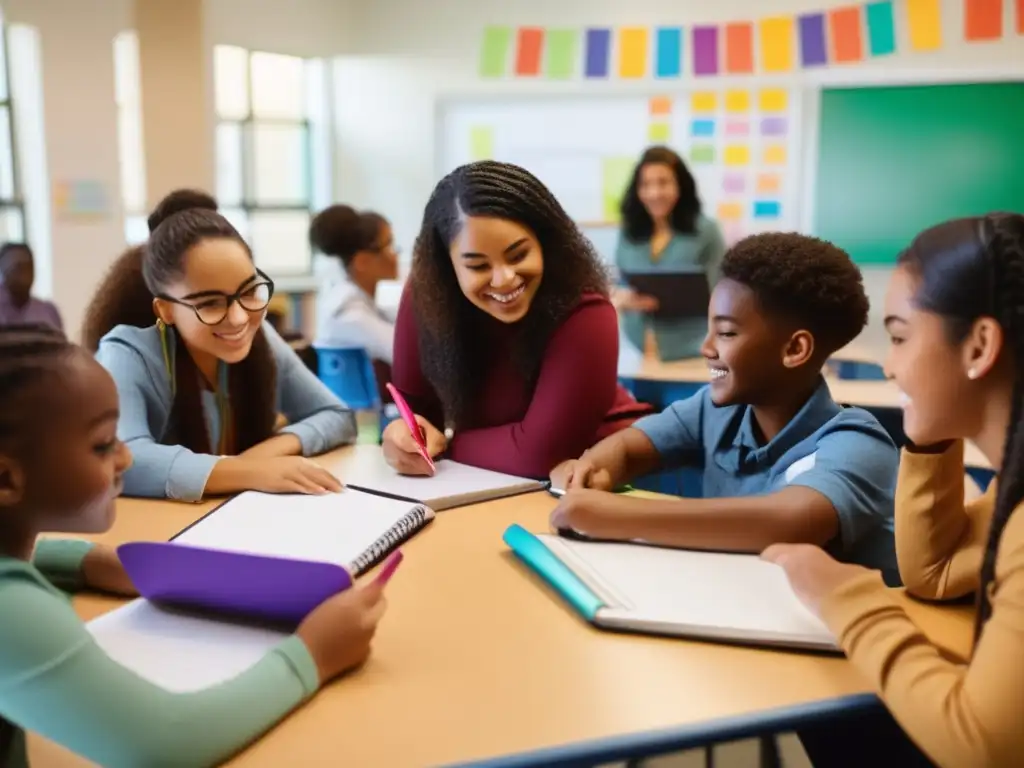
[
  {"x": 633, "y": 52},
  {"x": 777, "y": 42},
  {"x": 773, "y": 100},
  {"x": 737, "y": 154},
  {"x": 481, "y": 143},
  {"x": 616, "y": 173},
  {"x": 925, "y": 20},
  {"x": 658, "y": 132},
  {"x": 704, "y": 101},
  {"x": 730, "y": 211},
  {"x": 775, "y": 154},
  {"x": 768, "y": 182},
  {"x": 737, "y": 101}
]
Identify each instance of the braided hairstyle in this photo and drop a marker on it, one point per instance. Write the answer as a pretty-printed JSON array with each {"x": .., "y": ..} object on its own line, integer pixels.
[
  {"x": 636, "y": 221},
  {"x": 147, "y": 270},
  {"x": 452, "y": 349},
  {"x": 968, "y": 269}
]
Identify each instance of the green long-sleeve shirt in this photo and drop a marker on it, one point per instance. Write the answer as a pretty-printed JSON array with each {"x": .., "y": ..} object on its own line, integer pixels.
[{"x": 55, "y": 680}]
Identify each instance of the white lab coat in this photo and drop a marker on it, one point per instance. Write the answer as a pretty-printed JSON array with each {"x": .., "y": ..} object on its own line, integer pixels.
[{"x": 347, "y": 316}]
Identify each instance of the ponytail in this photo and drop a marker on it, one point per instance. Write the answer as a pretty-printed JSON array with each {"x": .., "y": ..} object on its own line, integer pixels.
[{"x": 121, "y": 299}]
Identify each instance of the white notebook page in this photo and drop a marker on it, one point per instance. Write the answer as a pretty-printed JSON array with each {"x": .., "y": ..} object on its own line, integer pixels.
[
  {"x": 334, "y": 528},
  {"x": 727, "y": 591}
]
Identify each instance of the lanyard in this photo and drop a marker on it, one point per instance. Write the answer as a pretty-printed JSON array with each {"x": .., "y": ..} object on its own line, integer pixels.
[{"x": 221, "y": 394}]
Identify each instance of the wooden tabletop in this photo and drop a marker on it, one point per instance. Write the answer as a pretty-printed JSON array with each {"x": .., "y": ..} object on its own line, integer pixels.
[{"x": 475, "y": 658}]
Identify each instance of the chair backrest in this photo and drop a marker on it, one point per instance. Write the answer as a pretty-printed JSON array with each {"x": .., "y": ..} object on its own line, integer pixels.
[
  {"x": 857, "y": 369},
  {"x": 348, "y": 373}
]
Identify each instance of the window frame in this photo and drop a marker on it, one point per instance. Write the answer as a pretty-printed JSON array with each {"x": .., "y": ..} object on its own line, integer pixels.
[{"x": 17, "y": 201}]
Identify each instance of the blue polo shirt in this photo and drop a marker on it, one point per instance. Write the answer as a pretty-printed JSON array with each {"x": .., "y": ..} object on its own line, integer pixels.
[{"x": 843, "y": 453}]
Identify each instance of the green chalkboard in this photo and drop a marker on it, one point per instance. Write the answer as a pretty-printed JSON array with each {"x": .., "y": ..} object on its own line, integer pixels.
[{"x": 895, "y": 160}]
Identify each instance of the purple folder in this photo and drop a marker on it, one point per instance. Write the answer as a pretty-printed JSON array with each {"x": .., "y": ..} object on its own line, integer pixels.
[{"x": 274, "y": 589}]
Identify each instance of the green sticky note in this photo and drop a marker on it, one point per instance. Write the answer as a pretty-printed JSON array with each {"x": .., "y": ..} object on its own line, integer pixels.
[
  {"x": 702, "y": 153},
  {"x": 616, "y": 173},
  {"x": 481, "y": 143},
  {"x": 494, "y": 51},
  {"x": 562, "y": 53},
  {"x": 658, "y": 132}
]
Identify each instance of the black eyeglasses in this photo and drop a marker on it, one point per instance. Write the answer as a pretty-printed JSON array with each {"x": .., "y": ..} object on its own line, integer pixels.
[{"x": 211, "y": 307}]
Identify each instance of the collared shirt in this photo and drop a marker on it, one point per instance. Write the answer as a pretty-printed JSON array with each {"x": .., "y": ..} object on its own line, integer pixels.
[
  {"x": 35, "y": 311},
  {"x": 843, "y": 453},
  {"x": 350, "y": 317}
]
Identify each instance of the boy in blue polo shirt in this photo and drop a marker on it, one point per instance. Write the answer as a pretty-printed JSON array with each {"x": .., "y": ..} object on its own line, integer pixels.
[{"x": 782, "y": 462}]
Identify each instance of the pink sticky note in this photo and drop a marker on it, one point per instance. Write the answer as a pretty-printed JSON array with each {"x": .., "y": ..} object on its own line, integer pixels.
[
  {"x": 734, "y": 183},
  {"x": 737, "y": 128}
]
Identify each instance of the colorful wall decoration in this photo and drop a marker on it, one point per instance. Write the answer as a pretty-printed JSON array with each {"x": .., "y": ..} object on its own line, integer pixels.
[{"x": 773, "y": 45}]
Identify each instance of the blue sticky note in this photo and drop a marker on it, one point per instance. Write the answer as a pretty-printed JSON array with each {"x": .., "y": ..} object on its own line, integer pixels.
[
  {"x": 702, "y": 128},
  {"x": 670, "y": 52},
  {"x": 767, "y": 209}
]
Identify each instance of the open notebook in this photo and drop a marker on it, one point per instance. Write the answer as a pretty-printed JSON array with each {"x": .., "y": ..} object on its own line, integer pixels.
[
  {"x": 272, "y": 557},
  {"x": 701, "y": 595},
  {"x": 453, "y": 485}
]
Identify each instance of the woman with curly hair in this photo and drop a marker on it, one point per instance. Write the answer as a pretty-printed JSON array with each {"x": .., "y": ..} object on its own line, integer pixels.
[{"x": 506, "y": 344}]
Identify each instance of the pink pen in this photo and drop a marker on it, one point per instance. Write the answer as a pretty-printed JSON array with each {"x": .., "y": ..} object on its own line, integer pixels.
[
  {"x": 389, "y": 568},
  {"x": 410, "y": 421}
]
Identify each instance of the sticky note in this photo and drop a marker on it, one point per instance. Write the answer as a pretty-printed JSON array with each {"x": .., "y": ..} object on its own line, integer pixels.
[
  {"x": 660, "y": 105},
  {"x": 773, "y": 100},
  {"x": 767, "y": 209},
  {"x": 529, "y": 46},
  {"x": 737, "y": 101},
  {"x": 702, "y": 153},
  {"x": 812, "y": 39},
  {"x": 737, "y": 154},
  {"x": 739, "y": 48},
  {"x": 734, "y": 183},
  {"x": 494, "y": 52},
  {"x": 668, "y": 43},
  {"x": 777, "y": 44},
  {"x": 925, "y": 22},
  {"x": 705, "y": 50},
  {"x": 730, "y": 211},
  {"x": 702, "y": 128},
  {"x": 704, "y": 101},
  {"x": 983, "y": 19},
  {"x": 881, "y": 28},
  {"x": 616, "y": 173},
  {"x": 598, "y": 48},
  {"x": 773, "y": 126},
  {"x": 845, "y": 32},
  {"x": 735, "y": 128},
  {"x": 658, "y": 132},
  {"x": 632, "y": 52},
  {"x": 768, "y": 183},
  {"x": 481, "y": 143},
  {"x": 775, "y": 154},
  {"x": 562, "y": 53},
  {"x": 1020, "y": 17}
]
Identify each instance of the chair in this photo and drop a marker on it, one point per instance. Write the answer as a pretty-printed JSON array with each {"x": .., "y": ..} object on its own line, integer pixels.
[
  {"x": 349, "y": 373},
  {"x": 856, "y": 369}
]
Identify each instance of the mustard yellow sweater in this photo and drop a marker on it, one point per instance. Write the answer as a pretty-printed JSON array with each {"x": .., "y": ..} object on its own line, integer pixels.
[{"x": 971, "y": 714}]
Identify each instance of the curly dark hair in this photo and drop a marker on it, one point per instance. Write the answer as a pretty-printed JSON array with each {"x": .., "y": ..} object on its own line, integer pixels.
[
  {"x": 451, "y": 346},
  {"x": 637, "y": 222},
  {"x": 342, "y": 232},
  {"x": 809, "y": 280},
  {"x": 125, "y": 297}
]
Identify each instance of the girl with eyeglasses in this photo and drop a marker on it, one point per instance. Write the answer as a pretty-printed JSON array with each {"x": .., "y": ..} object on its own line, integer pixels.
[{"x": 203, "y": 378}]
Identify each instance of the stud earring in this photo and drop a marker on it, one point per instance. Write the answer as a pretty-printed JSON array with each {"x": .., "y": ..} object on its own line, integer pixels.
[{"x": 972, "y": 374}]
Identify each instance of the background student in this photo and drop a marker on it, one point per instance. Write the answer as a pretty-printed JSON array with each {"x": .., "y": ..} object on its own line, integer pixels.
[
  {"x": 348, "y": 312},
  {"x": 781, "y": 460},
  {"x": 17, "y": 304},
  {"x": 202, "y": 388},
  {"x": 505, "y": 335},
  {"x": 61, "y": 468},
  {"x": 955, "y": 314},
  {"x": 663, "y": 229}
]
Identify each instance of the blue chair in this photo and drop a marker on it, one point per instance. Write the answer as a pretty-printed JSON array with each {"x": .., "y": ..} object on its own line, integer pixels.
[
  {"x": 348, "y": 373},
  {"x": 855, "y": 369}
]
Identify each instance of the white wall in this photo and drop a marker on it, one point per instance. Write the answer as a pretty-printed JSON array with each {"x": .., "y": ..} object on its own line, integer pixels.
[{"x": 388, "y": 89}]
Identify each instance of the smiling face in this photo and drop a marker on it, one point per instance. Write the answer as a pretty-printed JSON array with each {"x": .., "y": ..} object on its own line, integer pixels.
[
  {"x": 213, "y": 269},
  {"x": 658, "y": 190},
  {"x": 499, "y": 265},
  {"x": 750, "y": 355}
]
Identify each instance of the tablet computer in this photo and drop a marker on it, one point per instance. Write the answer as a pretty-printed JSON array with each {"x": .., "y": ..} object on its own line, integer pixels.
[{"x": 679, "y": 294}]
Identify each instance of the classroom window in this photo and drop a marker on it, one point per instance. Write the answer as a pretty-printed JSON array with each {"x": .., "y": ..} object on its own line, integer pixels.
[
  {"x": 131, "y": 154},
  {"x": 12, "y": 209},
  {"x": 273, "y": 152}
]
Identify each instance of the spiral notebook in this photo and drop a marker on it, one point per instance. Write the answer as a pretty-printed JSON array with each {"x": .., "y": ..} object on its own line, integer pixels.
[
  {"x": 716, "y": 596},
  {"x": 272, "y": 557}
]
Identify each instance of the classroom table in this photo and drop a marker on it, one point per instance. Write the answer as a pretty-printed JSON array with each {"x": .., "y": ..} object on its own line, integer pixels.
[{"x": 477, "y": 662}]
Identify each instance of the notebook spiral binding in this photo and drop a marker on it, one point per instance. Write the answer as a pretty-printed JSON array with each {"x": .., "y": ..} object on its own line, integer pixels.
[{"x": 404, "y": 529}]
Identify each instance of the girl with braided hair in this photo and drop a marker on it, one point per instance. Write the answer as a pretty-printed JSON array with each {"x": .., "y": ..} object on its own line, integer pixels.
[
  {"x": 506, "y": 344},
  {"x": 955, "y": 312},
  {"x": 61, "y": 469}
]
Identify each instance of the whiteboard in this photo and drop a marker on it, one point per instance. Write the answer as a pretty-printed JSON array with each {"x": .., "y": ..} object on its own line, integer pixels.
[{"x": 742, "y": 144}]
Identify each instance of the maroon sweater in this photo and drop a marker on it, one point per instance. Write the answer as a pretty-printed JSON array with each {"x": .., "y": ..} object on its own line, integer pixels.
[{"x": 576, "y": 400}]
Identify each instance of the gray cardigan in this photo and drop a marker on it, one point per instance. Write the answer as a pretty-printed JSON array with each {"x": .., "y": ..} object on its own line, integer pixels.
[{"x": 134, "y": 358}]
